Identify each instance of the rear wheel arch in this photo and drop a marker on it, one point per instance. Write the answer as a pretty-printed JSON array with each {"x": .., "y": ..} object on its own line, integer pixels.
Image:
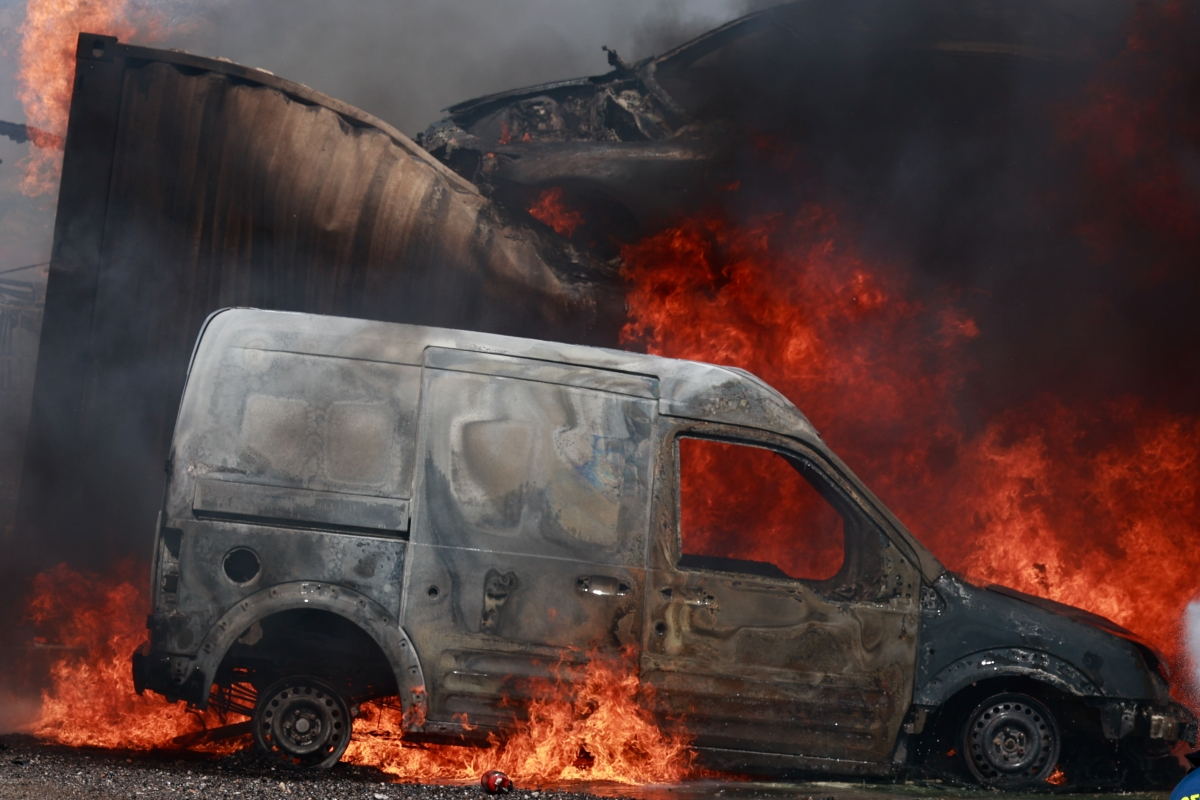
[{"x": 353, "y": 607}]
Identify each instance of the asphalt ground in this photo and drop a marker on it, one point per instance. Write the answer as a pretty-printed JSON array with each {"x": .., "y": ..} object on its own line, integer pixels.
[{"x": 34, "y": 770}]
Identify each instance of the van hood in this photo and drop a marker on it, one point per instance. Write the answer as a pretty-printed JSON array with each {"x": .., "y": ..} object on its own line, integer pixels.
[
  {"x": 1085, "y": 617},
  {"x": 971, "y": 633}
]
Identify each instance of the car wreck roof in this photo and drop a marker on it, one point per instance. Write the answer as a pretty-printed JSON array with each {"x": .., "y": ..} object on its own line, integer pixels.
[
  {"x": 1027, "y": 29},
  {"x": 732, "y": 29},
  {"x": 689, "y": 389},
  {"x": 465, "y": 106}
]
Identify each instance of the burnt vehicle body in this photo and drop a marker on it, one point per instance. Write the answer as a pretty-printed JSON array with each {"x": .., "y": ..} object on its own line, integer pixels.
[
  {"x": 847, "y": 83},
  {"x": 358, "y": 509}
]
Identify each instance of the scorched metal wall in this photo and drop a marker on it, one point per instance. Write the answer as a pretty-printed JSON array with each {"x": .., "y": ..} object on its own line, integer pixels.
[{"x": 191, "y": 184}]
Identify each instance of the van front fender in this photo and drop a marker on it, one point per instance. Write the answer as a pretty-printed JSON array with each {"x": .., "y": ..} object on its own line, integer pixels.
[
  {"x": 347, "y": 603},
  {"x": 1003, "y": 662}
]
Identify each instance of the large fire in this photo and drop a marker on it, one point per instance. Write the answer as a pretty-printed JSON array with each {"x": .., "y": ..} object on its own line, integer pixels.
[
  {"x": 47, "y": 72},
  {"x": 90, "y": 700},
  {"x": 1093, "y": 506},
  {"x": 595, "y": 730},
  {"x": 1092, "y": 503}
]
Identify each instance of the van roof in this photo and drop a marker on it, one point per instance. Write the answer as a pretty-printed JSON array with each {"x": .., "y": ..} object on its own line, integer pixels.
[{"x": 690, "y": 389}]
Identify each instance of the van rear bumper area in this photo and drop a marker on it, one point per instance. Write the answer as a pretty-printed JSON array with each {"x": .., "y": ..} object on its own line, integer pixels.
[{"x": 169, "y": 675}]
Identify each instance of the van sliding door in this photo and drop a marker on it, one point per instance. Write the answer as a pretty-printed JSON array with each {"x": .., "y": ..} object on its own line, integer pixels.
[{"x": 527, "y": 551}]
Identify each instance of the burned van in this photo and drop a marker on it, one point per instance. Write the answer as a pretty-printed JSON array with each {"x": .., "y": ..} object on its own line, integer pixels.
[{"x": 359, "y": 510}]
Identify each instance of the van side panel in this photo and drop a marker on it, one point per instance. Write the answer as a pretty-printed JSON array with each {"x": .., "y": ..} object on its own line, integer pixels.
[
  {"x": 303, "y": 459},
  {"x": 529, "y": 529},
  {"x": 298, "y": 421},
  {"x": 372, "y": 566}
]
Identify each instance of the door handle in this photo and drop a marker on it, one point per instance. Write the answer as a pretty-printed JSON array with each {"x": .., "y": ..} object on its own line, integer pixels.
[{"x": 601, "y": 586}]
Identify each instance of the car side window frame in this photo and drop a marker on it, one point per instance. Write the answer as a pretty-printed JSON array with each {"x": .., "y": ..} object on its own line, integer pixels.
[{"x": 861, "y": 575}]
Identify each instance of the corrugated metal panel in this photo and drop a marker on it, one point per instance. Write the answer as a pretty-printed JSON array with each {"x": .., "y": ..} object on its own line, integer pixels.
[
  {"x": 191, "y": 184},
  {"x": 20, "y": 320}
]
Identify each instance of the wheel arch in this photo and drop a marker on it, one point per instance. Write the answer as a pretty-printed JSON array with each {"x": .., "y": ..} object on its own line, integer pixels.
[
  {"x": 1011, "y": 663},
  {"x": 938, "y": 747},
  {"x": 356, "y": 608}
]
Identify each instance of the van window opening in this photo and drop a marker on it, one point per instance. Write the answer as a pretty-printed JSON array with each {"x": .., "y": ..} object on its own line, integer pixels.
[{"x": 750, "y": 510}]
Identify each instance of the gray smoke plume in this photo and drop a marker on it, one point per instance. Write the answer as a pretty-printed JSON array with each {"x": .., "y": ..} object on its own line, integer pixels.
[{"x": 404, "y": 62}]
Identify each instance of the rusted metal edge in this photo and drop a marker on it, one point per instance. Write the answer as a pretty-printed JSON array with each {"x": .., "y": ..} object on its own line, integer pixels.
[{"x": 103, "y": 48}]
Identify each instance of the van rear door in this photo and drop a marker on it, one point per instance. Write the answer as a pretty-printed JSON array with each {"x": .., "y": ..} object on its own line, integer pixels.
[{"x": 530, "y": 517}]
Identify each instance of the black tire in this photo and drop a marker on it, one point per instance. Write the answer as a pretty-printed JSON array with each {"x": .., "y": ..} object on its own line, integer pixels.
[
  {"x": 1010, "y": 741},
  {"x": 302, "y": 722}
]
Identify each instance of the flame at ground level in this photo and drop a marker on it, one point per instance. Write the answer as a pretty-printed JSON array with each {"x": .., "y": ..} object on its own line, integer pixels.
[
  {"x": 90, "y": 700},
  {"x": 595, "y": 730}
]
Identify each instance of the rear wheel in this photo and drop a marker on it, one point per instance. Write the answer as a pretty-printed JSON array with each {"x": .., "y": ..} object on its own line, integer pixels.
[
  {"x": 302, "y": 722},
  {"x": 1009, "y": 741}
]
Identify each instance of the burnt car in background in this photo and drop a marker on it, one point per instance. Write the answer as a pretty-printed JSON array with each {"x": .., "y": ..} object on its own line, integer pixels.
[
  {"x": 845, "y": 83},
  {"x": 360, "y": 509}
]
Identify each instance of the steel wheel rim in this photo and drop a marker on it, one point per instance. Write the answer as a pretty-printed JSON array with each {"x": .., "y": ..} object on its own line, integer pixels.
[
  {"x": 1011, "y": 740},
  {"x": 302, "y": 722}
]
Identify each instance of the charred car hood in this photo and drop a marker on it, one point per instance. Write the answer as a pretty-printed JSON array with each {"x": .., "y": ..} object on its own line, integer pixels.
[
  {"x": 1085, "y": 617},
  {"x": 971, "y": 633}
]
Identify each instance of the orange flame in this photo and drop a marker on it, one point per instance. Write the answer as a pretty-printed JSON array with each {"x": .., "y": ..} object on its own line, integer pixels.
[
  {"x": 550, "y": 210},
  {"x": 755, "y": 519},
  {"x": 1093, "y": 506},
  {"x": 594, "y": 731},
  {"x": 91, "y": 700},
  {"x": 47, "y": 72}
]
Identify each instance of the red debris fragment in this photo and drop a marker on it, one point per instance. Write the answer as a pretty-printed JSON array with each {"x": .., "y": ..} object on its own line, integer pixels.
[{"x": 495, "y": 782}]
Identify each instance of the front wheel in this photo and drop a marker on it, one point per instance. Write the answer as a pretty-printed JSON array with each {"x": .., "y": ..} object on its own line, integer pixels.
[
  {"x": 1010, "y": 741},
  {"x": 302, "y": 722}
]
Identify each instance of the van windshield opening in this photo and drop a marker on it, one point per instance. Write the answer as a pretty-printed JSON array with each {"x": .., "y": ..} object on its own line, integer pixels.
[{"x": 750, "y": 510}]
